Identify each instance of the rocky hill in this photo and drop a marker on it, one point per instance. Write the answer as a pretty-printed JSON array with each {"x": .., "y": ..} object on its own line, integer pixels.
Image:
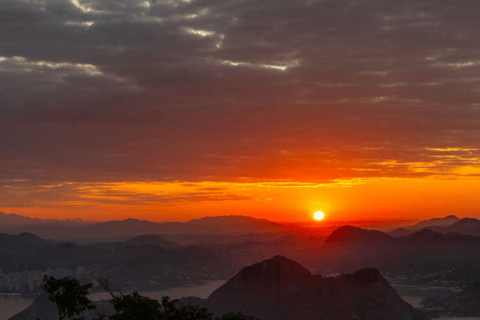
[{"x": 281, "y": 289}]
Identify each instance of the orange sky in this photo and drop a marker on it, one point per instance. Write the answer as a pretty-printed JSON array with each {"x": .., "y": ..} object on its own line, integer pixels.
[
  {"x": 382, "y": 199},
  {"x": 181, "y": 109}
]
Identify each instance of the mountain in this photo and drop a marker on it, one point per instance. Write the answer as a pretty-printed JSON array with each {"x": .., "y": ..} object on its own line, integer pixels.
[
  {"x": 400, "y": 232},
  {"x": 351, "y": 236},
  {"x": 470, "y": 226},
  {"x": 226, "y": 226},
  {"x": 13, "y": 220},
  {"x": 436, "y": 222},
  {"x": 20, "y": 252},
  {"x": 428, "y": 237},
  {"x": 209, "y": 225},
  {"x": 281, "y": 289},
  {"x": 153, "y": 239},
  {"x": 236, "y": 224},
  {"x": 421, "y": 258}
]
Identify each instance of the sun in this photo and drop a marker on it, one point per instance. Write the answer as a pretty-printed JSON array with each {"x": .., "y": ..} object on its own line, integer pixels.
[{"x": 318, "y": 215}]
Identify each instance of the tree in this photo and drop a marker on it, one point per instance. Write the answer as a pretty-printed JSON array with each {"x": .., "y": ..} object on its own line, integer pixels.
[
  {"x": 71, "y": 300},
  {"x": 172, "y": 311},
  {"x": 135, "y": 307},
  {"x": 69, "y": 296}
]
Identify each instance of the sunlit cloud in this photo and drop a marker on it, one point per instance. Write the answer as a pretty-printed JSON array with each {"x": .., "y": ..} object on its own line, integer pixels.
[
  {"x": 82, "y": 7},
  {"x": 305, "y": 97},
  {"x": 21, "y": 64},
  {"x": 202, "y": 33},
  {"x": 279, "y": 67},
  {"x": 458, "y": 65},
  {"x": 85, "y": 24}
]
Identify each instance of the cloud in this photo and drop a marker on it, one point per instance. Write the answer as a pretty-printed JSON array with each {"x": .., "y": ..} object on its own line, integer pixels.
[{"x": 305, "y": 91}]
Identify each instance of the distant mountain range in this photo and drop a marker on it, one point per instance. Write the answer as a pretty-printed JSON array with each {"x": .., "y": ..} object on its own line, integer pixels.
[
  {"x": 211, "y": 229},
  {"x": 449, "y": 224},
  {"x": 424, "y": 257},
  {"x": 436, "y": 222},
  {"x": 74, "y": 230},
  {"x": 282, "y": 289},
  {"x": 13, "y": 220},
  {"x": 348, "y": 236}
]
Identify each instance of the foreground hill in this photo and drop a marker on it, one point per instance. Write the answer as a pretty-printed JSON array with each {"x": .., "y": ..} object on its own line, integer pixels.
[{"x": 281, "y": 289}]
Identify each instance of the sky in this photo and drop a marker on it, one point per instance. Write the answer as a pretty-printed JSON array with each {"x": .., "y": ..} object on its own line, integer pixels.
[{"x": 171, "y": 110}]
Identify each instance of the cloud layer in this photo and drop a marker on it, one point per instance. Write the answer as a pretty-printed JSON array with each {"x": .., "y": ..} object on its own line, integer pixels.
[{"x": 238, "y": 90}]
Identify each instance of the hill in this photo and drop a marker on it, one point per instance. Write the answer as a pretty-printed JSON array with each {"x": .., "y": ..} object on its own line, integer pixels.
[
  {"x": 13, "y": 220},
  {"x": 226, "y": 226},
  {"x": 152, "y": 239},
  {"x": 281, "y": 289},
  {"x": 351, "y": 236},
  {"x": 436, "y": 222},
  {"x": 470, "y": 226}
]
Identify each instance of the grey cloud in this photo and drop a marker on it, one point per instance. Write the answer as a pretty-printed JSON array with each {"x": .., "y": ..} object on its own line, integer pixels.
[{"x": 172, "y": 82}]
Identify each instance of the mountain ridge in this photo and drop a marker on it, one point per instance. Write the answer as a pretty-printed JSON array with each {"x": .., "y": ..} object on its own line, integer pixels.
[{"x": 261, "y": 291}]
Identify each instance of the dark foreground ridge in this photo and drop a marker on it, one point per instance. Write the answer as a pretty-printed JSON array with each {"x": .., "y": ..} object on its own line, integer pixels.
[{"x": 281, "y": 289}]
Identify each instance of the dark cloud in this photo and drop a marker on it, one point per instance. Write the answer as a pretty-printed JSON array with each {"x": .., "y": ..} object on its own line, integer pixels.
[{"x": 228, "y": 90}]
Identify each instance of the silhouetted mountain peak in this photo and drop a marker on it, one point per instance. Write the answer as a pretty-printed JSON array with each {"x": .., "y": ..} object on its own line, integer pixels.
[
  {"x": 349, "y": 235},
  {"x": 28, "y": 237},
  {"x": 367, "y": 275},
  {"x": 265, "y": 291},
  {"x": 436, "y": 222},
  {"x": 452, "y": 217},
  {"x": 152, "y": 239},
  {"x": 467, "y": 222},
  {"x": 278, "y": 268}
]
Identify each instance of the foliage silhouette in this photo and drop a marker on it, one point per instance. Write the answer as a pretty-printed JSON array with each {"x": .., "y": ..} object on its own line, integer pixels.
[
  {"x": 69, "y": 296},
  {"x": 71, "y": 300}
]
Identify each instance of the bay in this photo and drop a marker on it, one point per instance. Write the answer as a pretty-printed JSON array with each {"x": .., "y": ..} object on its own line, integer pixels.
[
  {"x": 202, "y": 290},
  {"x": 11, "y": 304}
]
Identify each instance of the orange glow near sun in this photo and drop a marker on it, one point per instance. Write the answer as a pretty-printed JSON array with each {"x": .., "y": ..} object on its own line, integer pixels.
[{"x": 318, "y": 215}]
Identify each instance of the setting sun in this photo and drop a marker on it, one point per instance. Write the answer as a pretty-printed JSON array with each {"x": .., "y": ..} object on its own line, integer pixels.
[{"x": 318, "y": 215}]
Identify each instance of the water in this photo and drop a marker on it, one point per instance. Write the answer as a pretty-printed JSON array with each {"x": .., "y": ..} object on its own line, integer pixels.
[
  {"x": 201, "y": 291},
  {"x": 11, "y": 304},
  {"x": 415, "y": 294}
]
